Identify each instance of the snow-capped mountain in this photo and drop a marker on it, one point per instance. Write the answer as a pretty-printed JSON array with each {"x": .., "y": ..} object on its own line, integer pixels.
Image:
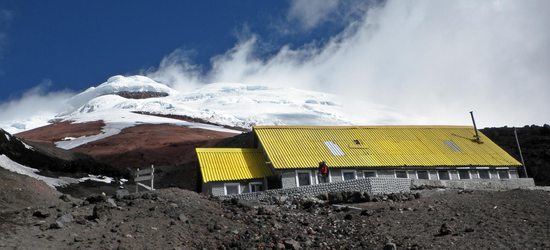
[
  {"x": 231, "y": 104},
  {"x": 126, "y": 101}
]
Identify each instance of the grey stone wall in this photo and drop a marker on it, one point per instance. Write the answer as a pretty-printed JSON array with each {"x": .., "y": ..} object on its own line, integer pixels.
[
  {"x": 498, "y": 184},
  {"x": 377, "y": 185}
]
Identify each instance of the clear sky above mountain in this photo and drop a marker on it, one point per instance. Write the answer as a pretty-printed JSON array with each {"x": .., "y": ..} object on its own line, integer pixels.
[
  {"x": 431, "y": 60},
  {"x": 77, "y": 44}
]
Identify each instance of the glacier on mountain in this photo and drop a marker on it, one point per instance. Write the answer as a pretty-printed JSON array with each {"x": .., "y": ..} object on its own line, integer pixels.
[{"x": 226, "y": 104}]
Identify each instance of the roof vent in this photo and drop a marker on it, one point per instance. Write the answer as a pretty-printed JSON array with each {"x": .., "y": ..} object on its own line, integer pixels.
[{"x": 334, "y": 148}]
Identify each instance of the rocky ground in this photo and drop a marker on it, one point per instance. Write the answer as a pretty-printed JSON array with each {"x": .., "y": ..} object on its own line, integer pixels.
[{"x": 180, "y": 219}]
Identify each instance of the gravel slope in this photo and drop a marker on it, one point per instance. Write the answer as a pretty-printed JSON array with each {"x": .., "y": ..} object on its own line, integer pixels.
[{"x": 172, "y": 218}]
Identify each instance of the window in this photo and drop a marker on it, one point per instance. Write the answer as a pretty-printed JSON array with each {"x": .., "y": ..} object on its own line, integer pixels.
[
  {"x": 334, "y": 148},
  {"x": 304, "y": 178},
  {"x": 401, "y": 174},
  {"x": 232, "y": 188},
  {"x": 320, "y": 179},
  {"x": 423, "y": 175},
  {"x": 348, "y": 175},
  {"x": 513, "y": 174},
  {"x": 484, "y": 174},
  {"x": 369, "y": 174},
  {"x": 443, "y": 175},
  {"x": 503, "y": 174},
  {"x": 357, "y": 142},
  {"x": 256, "y": 187},
  {"x": 464, "y": 174}
]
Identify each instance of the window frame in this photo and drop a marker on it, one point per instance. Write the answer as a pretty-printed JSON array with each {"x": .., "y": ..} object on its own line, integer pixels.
[
  {"x": 349, "y": 171},
  {"x": 239, "y": 191},
  {"x": 464, "y": 170},
  {"x": 485, "y": 171},
  {"x": 298, "y": 179},
  {"x": 502, "y": 170},
  {"x": 427, "y": 172},
  {"x": 448, "y": 173},
  {"x": 255, "y": 183},
  {"x": 370, "y": 171},
  {"x": 406, "y": 173}
]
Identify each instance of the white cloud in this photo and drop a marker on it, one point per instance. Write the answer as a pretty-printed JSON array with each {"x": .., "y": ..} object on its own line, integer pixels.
[
  {"x": 310, "y": 13},
  {"x": 33, "y": 109},
  {"x": 6, "y": 18},
  {"x": 435, "y": 60},
  {"x": 177, "y": 70}
]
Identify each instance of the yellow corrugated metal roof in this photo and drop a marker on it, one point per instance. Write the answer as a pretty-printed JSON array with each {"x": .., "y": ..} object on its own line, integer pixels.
[
  {"x": 226, "y": 164},
  {"x": 379, "y": 146}
]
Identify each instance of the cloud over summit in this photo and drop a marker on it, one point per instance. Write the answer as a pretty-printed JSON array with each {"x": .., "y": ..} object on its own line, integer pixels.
[{"x": 433, "y": 60}]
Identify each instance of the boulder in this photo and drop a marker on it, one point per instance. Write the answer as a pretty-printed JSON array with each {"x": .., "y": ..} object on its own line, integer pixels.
[
  {"x": 335, "y": 198},
  {"x": 41, "y": 214},
  {"x": 101, "y": 211},
  {"x": 66, "y": 218},
  {"x": 292, "y": 244},
  {"x": 444, "y": 229},
  {"x": 390, "y": 246},
  {"x": 93, "y": 199}
]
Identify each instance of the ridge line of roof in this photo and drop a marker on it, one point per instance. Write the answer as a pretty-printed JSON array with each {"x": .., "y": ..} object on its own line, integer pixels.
[
  {"x": 226, "y": 150},
  {"x": 357, "y": 126}
]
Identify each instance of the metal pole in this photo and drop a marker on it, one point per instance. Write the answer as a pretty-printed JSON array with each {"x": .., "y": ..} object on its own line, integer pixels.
[
  {"x": 135, "y": 182},
  {"x": 520, "y": 154},
  {"x": 475, "y": 127},
  {"x": 152, "y": 177}
]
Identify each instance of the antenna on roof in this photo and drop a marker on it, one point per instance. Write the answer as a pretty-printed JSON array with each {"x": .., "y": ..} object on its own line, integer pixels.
[{"x": 475, "y": 128}]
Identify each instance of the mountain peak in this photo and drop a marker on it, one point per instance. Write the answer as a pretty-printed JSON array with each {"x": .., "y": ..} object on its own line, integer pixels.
[{"x": 122, "y": 84}]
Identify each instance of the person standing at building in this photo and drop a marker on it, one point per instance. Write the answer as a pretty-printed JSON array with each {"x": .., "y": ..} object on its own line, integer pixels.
[{"x": 323, "y": 172}]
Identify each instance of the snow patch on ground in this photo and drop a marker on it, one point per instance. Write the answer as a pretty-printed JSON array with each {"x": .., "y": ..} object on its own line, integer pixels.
[
  {"x": 7, "y": 137},
  {"x": 8, "y": 164},
  {"x": 97, "y": 178},
  {"x": 27, "y": 146},
  {"x": 116, "y": 121}
]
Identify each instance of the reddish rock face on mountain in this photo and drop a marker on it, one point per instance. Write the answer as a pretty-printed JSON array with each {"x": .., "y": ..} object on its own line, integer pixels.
[
  {"x": 58, "y": 131},
  {"x": 170, "y": 148}
]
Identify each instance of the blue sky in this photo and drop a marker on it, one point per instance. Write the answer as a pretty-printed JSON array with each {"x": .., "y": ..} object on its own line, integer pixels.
[
  {"x": 432, "y": 61},
  {"x": 77, "y": 44}
]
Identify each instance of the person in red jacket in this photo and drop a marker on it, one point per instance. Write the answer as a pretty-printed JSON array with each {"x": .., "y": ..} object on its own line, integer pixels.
[{"x": 323, "y": 172}]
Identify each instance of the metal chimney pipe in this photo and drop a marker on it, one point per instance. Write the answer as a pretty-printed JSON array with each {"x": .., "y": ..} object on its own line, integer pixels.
[{"x": 475, "y": 127}]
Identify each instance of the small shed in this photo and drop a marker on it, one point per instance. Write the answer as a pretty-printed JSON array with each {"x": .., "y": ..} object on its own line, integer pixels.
[{"x": 226, "y": 171}]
